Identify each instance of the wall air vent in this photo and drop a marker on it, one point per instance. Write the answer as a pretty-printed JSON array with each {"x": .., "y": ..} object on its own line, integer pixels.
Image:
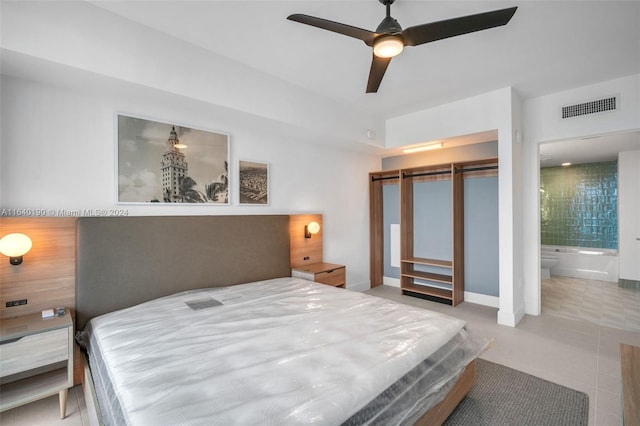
[{"x": 606, "y": 104}]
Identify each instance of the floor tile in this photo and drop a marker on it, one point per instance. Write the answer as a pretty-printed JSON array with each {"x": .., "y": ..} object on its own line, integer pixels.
[
  {"x": 45, "y": 412},
  {"x": 599, "y": 302},
  {"x": 560, "y": 346}
]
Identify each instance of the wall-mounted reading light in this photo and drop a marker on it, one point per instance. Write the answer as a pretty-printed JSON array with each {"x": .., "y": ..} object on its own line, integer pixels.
[
  {"x": 310, "y": 229},
  {"x": 15, "y": 246}
]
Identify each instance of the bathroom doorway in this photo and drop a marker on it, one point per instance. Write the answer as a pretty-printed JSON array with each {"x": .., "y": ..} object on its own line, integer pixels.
[{"x": 579, "y": 231}]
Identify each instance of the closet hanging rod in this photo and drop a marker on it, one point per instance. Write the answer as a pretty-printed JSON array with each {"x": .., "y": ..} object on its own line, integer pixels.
[
  {"x": 476, "y": 169},
  {"x": 444, "y": 172},
  {"x": 374, "y": 179}
]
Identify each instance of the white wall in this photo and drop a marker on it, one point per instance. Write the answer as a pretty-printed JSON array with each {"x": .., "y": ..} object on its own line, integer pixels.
[
  {"x": 497, "y": 110},
  {"x": 58, "y": 152},
  {"x": 543, "y": 123},
  {"x": 85, "y": 37},
  {"x": 628, "y": 216},
  {"x": 67, "y": 67}
]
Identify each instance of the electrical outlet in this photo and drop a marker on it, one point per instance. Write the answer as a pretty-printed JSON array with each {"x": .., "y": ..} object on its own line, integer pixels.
[
  {"x": 16, "y": 303},
  {"x": 306, "y": 258}
]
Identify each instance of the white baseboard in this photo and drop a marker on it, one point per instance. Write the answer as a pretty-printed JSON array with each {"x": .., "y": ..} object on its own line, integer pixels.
[
  {"x": 482, "y": 299},
  {"x": 361, "y": 286},
  {"x": 510, "y": 318},
  {"x": 391, "y": 282}
]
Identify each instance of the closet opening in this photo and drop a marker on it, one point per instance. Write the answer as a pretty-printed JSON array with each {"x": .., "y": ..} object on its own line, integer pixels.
[{"x": 430, "y": 206}]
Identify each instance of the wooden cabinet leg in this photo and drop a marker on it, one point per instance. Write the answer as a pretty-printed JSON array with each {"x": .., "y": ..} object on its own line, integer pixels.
[{"x": 62, "y": 396}]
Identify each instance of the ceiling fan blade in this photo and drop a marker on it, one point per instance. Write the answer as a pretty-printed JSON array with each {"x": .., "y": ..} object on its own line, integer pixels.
[
  {"x": 426, "y": 33},
  {"x": 355, "y": 32},
  {"x": 378, "y": 68}
]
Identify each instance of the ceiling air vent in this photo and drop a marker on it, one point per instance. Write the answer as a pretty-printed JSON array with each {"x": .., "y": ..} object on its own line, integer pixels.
[{"x": 606, "y": 104}]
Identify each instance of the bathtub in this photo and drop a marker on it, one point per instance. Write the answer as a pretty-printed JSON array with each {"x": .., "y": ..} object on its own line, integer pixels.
[{"x": 588, "y": 263}]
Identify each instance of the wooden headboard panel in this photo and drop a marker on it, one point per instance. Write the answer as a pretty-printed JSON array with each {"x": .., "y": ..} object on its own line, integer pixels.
[
  {"x": 305, "y": 251},
  {"x": 47, "y": 276},
  {"x": 123, "y": 261}
]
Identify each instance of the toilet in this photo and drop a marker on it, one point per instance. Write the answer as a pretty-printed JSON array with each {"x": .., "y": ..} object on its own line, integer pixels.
[{"x": 547, "y": 261}]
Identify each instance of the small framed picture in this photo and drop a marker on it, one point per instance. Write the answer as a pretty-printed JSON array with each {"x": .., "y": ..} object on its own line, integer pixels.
[{"x": 253, "y": 183}]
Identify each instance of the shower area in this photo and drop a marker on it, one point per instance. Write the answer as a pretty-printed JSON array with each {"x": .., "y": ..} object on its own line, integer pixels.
[
  {"x": 579, "y": 221},
  {"x": 589, "y": 235}
]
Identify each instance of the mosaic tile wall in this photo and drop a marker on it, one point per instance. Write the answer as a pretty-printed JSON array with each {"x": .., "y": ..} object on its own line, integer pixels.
[{"x": 579, "y": 205}]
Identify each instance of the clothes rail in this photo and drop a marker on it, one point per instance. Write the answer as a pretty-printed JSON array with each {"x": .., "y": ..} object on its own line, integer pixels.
[
  {"x": 374, "y": 179},
  {"x": 444, "y": 172},
  {"x": 476, "y": 169}
]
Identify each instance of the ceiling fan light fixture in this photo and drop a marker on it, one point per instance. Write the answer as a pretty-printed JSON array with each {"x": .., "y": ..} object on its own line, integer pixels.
[{"x": 388, "y": 46}]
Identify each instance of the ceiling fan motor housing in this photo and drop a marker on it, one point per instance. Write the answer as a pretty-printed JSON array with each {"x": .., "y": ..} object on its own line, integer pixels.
[{"x": 389, "y": 25}]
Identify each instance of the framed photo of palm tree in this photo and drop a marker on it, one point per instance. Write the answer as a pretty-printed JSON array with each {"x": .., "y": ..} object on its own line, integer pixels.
[{"x": 169, "y": 163}]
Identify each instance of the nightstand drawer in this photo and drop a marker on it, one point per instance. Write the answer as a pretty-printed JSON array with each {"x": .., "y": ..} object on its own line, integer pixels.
[
  {"x": 324, "y": 273},
  {"x": 334, "y": 277},
  {"x": 35, "y": 350}
]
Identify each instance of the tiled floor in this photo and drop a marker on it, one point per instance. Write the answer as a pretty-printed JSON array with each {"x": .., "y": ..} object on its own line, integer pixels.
[
  {"x": 577, "y": 354},
  {"x": 598, "y": 302},
  {"x": 46, "y": 412}
]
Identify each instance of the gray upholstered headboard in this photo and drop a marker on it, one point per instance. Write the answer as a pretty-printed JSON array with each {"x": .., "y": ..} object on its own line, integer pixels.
[{"x": 123, "y": 261}]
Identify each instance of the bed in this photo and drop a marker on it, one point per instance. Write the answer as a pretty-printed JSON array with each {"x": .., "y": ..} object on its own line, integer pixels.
[{"x": 208, "y": 340}]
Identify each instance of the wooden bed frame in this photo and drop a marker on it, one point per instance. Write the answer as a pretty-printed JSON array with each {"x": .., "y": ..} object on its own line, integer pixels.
[
  {"x": 164, "y": 255},
  {"x": 439, "y": 413}
]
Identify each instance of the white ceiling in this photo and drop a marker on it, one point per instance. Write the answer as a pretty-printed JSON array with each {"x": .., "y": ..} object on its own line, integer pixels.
[
  {"x": 547, "y": 47},
  {"x": 588, "y": 150}
]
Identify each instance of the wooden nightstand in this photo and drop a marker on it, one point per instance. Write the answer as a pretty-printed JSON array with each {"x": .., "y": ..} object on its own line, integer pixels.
[
  {"x": 36, "y": 359},
  {"x": 325, "y": 273}
]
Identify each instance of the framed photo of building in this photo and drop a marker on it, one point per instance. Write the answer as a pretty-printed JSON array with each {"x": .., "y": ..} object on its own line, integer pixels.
[
  {"x": 168, "y": 163},
  {"x": 253, "y": 183}
]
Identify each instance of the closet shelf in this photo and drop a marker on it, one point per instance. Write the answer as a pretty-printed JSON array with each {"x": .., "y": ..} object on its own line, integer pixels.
[
  {"x": 429, "y": 291},
  {"x": 429, "y": 276},
  {"x": 429, "y": 262}
]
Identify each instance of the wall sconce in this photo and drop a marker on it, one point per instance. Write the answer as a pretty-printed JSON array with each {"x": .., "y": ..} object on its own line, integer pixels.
[
  {"x": 310, "y": 229},
  {"x": 15, "y": 246}
]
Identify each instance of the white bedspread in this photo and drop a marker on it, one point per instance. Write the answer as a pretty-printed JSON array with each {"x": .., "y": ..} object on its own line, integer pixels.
[{"x": 278, "y": 352}]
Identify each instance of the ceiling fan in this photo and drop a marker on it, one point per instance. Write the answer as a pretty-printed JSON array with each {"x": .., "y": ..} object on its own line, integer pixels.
[{"x": 389, "y": 38}]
